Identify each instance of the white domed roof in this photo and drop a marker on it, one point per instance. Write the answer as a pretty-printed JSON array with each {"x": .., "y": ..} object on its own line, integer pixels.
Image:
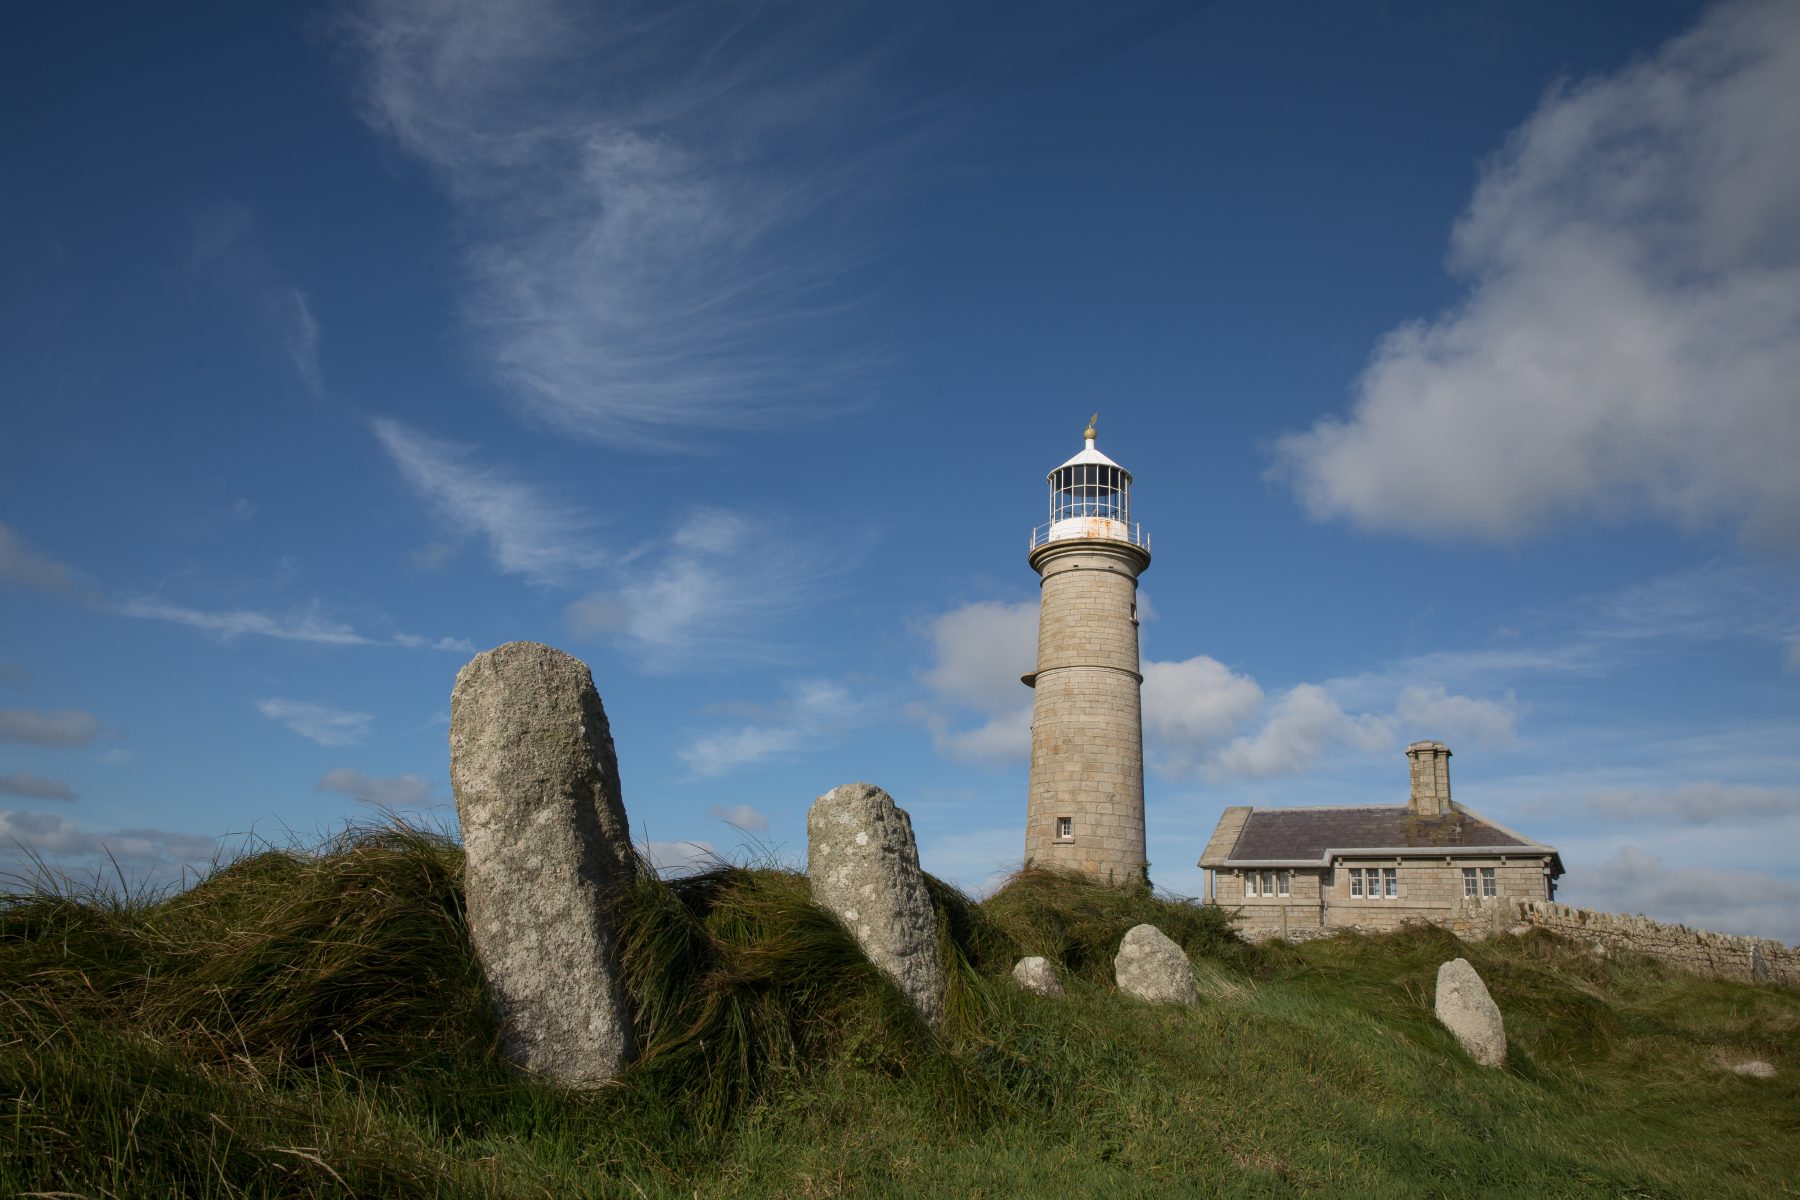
[{"x": 1090, "y": 455}]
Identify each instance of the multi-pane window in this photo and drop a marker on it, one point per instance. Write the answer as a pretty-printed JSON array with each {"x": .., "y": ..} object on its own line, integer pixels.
[
  {"x": 1089, "y": 490},
  {"x": 1356, "y": 881},
  {"x": 1284, "y": 882},
  {"x": 1250, "y": 883},
  {"x": 1390, "y": 883},
  {"x": 1489, "y": 885},
  {"x": 1065, "y": 829},
  {"x": 1469, "y": 886}
]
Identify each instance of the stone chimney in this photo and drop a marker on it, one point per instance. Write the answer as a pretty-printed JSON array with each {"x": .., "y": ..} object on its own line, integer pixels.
[{"x": 1430, "y": 779}]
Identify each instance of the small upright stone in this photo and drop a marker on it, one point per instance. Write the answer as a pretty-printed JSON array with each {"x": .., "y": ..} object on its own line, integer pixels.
[
  {"x": 863, "y": 866},
  {"x": 1466, "y": 1009},
  {"x": 1035, "y": 974},
  {"x": 1151, "y": 967},
  {"x": 546, "y": 841}
]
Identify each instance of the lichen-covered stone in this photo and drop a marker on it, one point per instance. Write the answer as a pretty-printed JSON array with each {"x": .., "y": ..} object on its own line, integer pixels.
[
  {"x": 1466, "y": 1009},
  {"x": 863, "y": 866},
  {"x": 546, "y": 839},
  {"x": 1035, "y": 974},
  {"x": 1151, "y": 967}
]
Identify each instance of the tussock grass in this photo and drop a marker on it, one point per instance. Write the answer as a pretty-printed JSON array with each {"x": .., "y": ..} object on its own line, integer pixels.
[{"x": 315, "y": 1024}]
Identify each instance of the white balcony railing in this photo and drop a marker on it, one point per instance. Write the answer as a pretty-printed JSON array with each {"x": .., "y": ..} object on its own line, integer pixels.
[{"x": 1099, "y": 529}]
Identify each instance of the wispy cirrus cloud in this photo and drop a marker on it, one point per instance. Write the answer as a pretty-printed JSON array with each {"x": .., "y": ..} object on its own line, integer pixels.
[
  {"x": 230, "y": 253},
  {"x": 652, "y": 199},
  {"x": 814, "y": 713},
  {"x": 1631, "y": 330},
  {"x": 709, "y": 594},
  {"x": 305, "y": 625},
  {"x": 528, "y": 533},
  {"x": 319, "y": 722},
  {"x": 64, "y": 728}
]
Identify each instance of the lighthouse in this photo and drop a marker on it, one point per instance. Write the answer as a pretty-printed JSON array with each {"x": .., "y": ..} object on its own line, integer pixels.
[{"x": 1085, "y": 811}]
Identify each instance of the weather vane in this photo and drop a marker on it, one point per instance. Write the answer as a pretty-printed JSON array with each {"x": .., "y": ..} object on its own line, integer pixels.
[{"x": 1089, "y": 433}]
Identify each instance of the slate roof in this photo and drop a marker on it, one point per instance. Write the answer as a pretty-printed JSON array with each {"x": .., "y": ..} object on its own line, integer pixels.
[{"x": 1295, "y": 834}]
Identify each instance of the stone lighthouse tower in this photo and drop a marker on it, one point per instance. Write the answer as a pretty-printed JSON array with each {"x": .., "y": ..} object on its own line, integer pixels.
[{"x": 1086, "y": 808}]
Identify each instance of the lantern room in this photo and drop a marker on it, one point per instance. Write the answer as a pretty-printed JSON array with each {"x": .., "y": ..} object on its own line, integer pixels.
[{"x": 1090, "y": 497}]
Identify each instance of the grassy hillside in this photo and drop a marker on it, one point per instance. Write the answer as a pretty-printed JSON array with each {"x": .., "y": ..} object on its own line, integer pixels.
[{"x": 315, "y": 1025}]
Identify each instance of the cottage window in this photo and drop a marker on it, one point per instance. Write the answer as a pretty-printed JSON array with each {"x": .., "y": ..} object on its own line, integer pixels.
[
  {"x": 1469, "y": 888},
  {"x": 1356, "y": 881},
  {"x": 1284, "y": 881},
  {"x": 1489, "y": 885},
  {"x": 1065, "y": 829},
  {"x": 1390, "y": 883},
  {"x": 1268, "y": 883},
  {"x": 1250, "y": 883}
]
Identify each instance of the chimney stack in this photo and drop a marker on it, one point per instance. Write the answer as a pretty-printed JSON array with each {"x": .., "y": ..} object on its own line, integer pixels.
[{"x": 1430, "y": 779}]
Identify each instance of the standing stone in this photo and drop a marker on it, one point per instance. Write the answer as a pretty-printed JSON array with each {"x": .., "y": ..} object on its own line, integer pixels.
[
  {"x": 1035, "y": 974},
  {"x": 1151, "y": 967},
  {"x": 1466, "y": 1009},
  {"x": 863, "y": 866},
  {"x": 544, "y": 830}
]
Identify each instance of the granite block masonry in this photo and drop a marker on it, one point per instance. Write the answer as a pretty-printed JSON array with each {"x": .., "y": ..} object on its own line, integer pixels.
[
  {"x": 1466, "y": 1009},
  {"x": 863, "y": 866},
  {"x": 546, "y": 842},
  {"x": 1151, "y": 967}
]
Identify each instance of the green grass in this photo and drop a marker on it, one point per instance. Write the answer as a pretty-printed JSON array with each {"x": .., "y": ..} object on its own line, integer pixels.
[{"x": 315, "y": 1024}]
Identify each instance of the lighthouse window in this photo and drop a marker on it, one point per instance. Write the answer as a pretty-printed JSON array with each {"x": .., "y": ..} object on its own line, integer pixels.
[
  {"x": 1065, "y": 829},
  {"x": 1088, "y": 490}
]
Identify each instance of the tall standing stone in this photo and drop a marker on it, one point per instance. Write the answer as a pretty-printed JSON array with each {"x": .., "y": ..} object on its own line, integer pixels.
[
  {"x": 863, "y": 865},
  {"x": 546, "y": 839},
  {"x": 1466, "y": 1009},
  {"x": 1150, "y": 966}
]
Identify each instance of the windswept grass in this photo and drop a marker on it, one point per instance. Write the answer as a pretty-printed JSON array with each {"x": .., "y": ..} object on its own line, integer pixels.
[{"x": 315, "y": 1024}]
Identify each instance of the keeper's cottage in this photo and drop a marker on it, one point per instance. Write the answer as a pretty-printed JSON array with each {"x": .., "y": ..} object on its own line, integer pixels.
[
  {"x": 1085, "y": 810},
  {"x": 1294, "y": 870}
]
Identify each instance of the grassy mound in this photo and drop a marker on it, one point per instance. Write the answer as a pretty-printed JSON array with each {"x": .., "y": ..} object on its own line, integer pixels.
[{"x": 315, "y": 1024}]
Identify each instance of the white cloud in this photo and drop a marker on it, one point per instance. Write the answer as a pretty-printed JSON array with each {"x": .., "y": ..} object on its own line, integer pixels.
[
  {"x": 318, "y": 722},
  {"x": 815, "y": 713},
  {"x": 979, "y": 652},
  {"x": 61, "y": 728},
  {"x": 741, "y": 815},
  {"x": 1698, "y": 803},
  {"x": 679, "y": 858},
  {"x": 62, "y": 844},
  {"x": 302, "y": 338},
  {"x": 1190, "y": 705},
  {"x": 527, "y": 532},
  {"x": 648, "y": 197},
  {"x": 300, "y": 626},
  {"x": 1433, "y": 712},
  {"x": 392, "y": 792},
  {"x": 231, "y": 253},
  {"x": 708, "y": 594},
  {"x": 23, "y": 567},
  {"x": 1743, "y": 902},
  {"x": 1301, "y": 727},
  {"x": 35, "y": 787},
  {"x": 1631, "y": 334}
]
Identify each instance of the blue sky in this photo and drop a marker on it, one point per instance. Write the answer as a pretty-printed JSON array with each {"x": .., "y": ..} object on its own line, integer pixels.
[{"x": 1454, "y": 349}]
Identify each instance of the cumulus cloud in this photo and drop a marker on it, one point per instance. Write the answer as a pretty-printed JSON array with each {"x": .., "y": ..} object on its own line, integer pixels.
[
  {"x": 318, "y": 722},
  {"x": 1442, "y": 715},
  {"x": 815, "y": 713},
  {"x": 391, "y": 792},
  {"x": 1630, "y": 336},
  {"x": 648, "y": 197},
  {"x": 679, "y": 858},
  {"x": 1303, "y": 724},
  {"x": 61, "y": 844},
  {"x": 528, "y": 532},
  {"x": 1190, "y": 705},
  {"x": 23, "y": 567},
  {"x": 708, "y": 594},
  {"x": 1744, "y": 902},
  {"x": 62, "y": 728},
  {"x": 1699, "y": 803},
  {"x": 35, "y": 787},
  {"x": 979, "y": 651},
  {"x": 741, "y": 815}
]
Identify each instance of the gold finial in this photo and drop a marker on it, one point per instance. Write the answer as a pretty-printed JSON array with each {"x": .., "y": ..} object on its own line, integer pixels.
[{"x": 1089, "y": 432}]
